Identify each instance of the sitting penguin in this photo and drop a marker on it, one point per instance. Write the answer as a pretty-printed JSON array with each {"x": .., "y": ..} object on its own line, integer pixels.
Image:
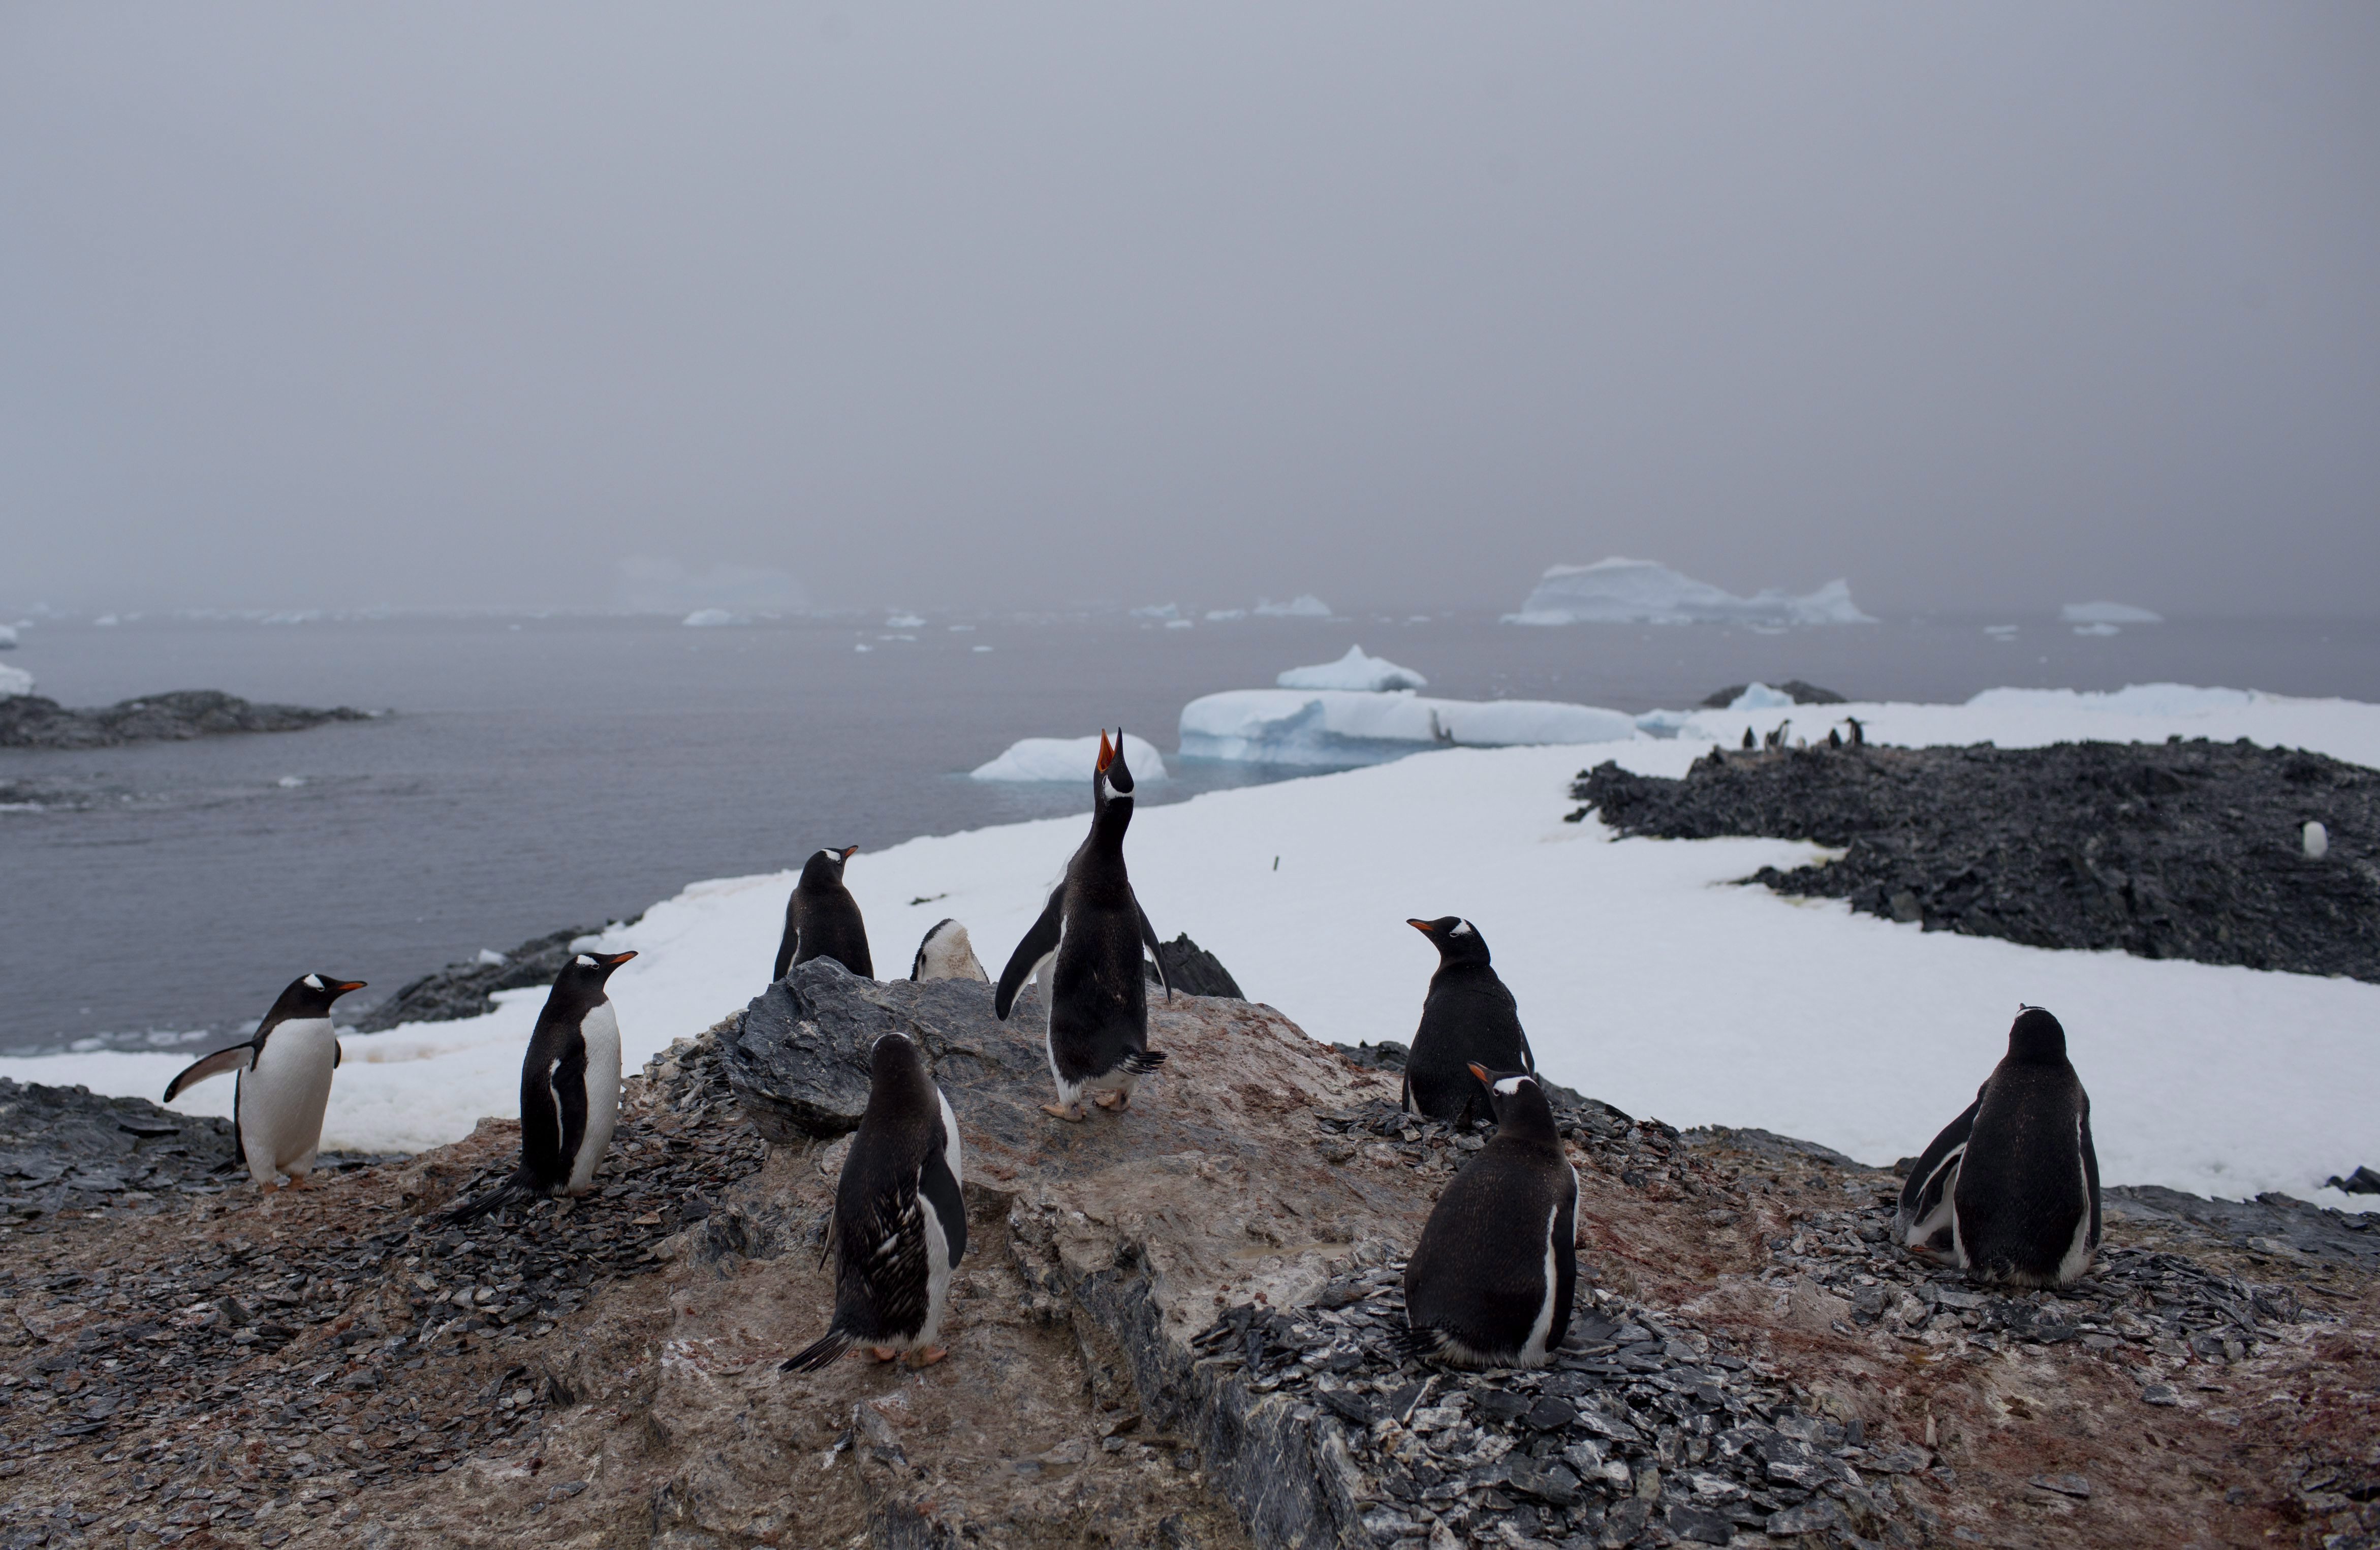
[
  {"x": 2010, "y": 1190},
  {"x": 1467, "y": 1016},
  {"x": 284, "y": 1081},
  {"x": 946, "y": 954},
  {"x": 1491, "y": 1284},
  {"x": 822, "y": 918},
  {"x": 899, "y": 1221}
]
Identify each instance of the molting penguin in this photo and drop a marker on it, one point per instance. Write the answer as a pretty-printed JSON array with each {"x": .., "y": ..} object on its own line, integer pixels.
[
  {"x": 822, "y": 918},
  {"x": 284, "y": 1082},
  {"x": 899, "y": 1221},
  {"x": 2010, "y": 1190},
  {"x": 946, "y": 954},
  {"x": 1093, "y": 927},
  {"x": 1491, "y": 1282},
  {"x": 570, "y": 1089},
  {"x": 1467, "y": 1016}
]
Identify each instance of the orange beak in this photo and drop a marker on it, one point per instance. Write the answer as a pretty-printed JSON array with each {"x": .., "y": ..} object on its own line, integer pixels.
[
  {"x": 1421, "y": 926},
  {"x": 849, "y": 851},
  {"x": 1478, "y": 1071},
  {"x": 619, "y": 958},
  {"x": 343, "y": 986},
  {"x": 1107, "y": 753}
]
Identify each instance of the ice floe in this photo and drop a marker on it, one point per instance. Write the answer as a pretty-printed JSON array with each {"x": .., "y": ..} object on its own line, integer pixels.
[
  {"x": 1353, "y": 671},
  {"x": 1305, "y": 606},
  {"x": 1617, "y": 591},
  {"x": 2107, "y": 613},
  {"x": 1068, "y": 758}
]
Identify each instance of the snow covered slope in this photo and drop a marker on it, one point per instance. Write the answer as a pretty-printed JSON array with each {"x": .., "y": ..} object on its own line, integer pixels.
[
  {"x": 1619, "y": 591},
  {"x": 1644, "y": 975}
]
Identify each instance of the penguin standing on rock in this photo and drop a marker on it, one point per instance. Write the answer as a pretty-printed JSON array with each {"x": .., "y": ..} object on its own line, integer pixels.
[
  {"x": 899, "y": 1221},
  {"x": 2010, "y": 1190},
  {"x": 1491, "y": 1282},
  {"x": 1093, "y": 931},
  {"x": 283, "y": 1081},
  {"x": 1468, "y": 1016},
  {"x": 570, "y": 1089},
  {"x": 946, "y": 954},
  {"x": 822, "y": 918}
]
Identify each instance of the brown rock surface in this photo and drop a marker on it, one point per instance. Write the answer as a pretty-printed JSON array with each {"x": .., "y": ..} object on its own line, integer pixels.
[{"x": 618, "y": 1384}]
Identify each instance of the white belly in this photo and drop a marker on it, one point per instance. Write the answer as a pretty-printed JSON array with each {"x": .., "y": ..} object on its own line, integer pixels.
[
  {"x": 282, "y": 1099},
  {"x": 602, "y": 1031}
]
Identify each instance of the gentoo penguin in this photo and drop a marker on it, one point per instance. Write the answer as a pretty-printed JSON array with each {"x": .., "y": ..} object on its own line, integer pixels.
[
  {"x": 1859, "y": 732},
  {"x": 946, "y": 954},
  {"x": 1748, "y": 744},
  {"x": 1777, "y": 738},
  {"x": 899, "y": 1223},
  {"x": 822, "y": 918},
  {"x": 1834, "y": 739},
  {"x": 1491, "y": 1281},
  {"x": 284, "y": 1081},
  {"x": 570, "y": 1089},
  {"x": 1093, "y": 927},
  {"x": 1467, "y": 1016},
  {"x": 2010, "y": 1190}
]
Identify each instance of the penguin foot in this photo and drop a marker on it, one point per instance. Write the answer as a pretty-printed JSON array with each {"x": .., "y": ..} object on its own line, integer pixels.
[
  {"x": 926, "y": 1356},
  {"x": 1117, "y": 1099},
  {"x": 1072, "y": 1114},
  {"x": 298, "y": 1182},
  {"x": 883, "y": 1353}
]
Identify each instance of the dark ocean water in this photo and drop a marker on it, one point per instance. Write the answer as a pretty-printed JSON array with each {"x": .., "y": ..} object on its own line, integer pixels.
[{"x": 539, "y": 772}]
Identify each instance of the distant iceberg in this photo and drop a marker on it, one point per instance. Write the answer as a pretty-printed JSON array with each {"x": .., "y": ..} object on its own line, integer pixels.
[
  {"x": 1343, "y": 726},
  {"x": 1061, "y": 759},
  {"x": 15, "y": 681},
  {"x": 903, "y": 621},
  {"x": 712, "y": 618},
  {"x": 1305, "y": 606},
  {"x": 7, "y": 638},
  {"x": 1353, "y": 671},
  {"x": 2107, "y": 613},
  {"x": 1644, "y": 591},
  {"x": 1218, "y": 616}
]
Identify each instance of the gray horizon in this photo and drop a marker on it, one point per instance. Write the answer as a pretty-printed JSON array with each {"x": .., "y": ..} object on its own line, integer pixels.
[{"x": 1984, "y": 312}]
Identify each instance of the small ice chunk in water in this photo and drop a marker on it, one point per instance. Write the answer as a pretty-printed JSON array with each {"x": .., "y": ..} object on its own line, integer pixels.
[{"x": 290, "y": 783}]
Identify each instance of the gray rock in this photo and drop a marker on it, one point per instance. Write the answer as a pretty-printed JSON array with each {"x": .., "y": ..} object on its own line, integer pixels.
[
  {"x": 468, "y": 990},
  {"x": 1192, "y": 971},
  {"x": 31, "y": 721}
]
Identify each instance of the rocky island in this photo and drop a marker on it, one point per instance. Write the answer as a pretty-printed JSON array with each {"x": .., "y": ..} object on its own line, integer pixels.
[{"x": 33, "y": 721}]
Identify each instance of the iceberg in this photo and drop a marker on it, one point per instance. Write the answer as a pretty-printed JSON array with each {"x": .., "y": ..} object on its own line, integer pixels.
[
  {"x": 903, "y": 621},
  {"x": 1064, "y": 759},
  {"x": 1218, "y": 616},
  {"x": 1353, "y": 671},
  {"x": 2107, "y": 613},
  {"x": 15, "y": 681},
  {"x": 1305, "y": 606},
  {"x": 712, "y": 618},
  {"x": 7, "y": 638},
  {"x": 1619, "y": 591},
  {"x": 1760, "y": 697},
  {"x": 1339, "y": 728}
]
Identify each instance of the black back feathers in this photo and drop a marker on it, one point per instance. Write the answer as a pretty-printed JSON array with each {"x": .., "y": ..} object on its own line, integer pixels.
[
  {"x": 822, "y": 918},
  {"x": 1467, "y": 1017}
]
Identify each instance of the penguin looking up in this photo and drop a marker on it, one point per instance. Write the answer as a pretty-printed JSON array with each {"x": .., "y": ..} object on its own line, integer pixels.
[
  {"x": 1467, "y": 1016},
  {"x": 1490, "y": 1283},
  {"x": 822, "y": 918},
  {"x": 283, "y": 1081},
  {"x": 570, "y": 1089},
  {"x": 946, "y": 954},
  {"x": 900, "y": 1220},
  {"x": 2010, "y": 1190},
  {"x": 1859, "y": 731},
  {"x": 1094, "y": 930}
]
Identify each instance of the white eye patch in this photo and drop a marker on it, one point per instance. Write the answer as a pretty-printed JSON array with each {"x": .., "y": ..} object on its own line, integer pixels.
[
  {"x": 585, "y": 962},
  {"x": 1509, "y": 1085},
  {"x": 1462, "y": 928},
  {"x": 314, "y": 980}
]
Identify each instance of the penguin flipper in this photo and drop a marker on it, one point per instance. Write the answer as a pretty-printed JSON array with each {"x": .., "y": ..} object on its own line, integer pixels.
[
  {"x": 942, "y": 1195},
  {"x": 1926, "y": 1195},
  {"x": 337, "y": 1054},
  {"x": 238, "y": 1057},
  {"x": 1148, "y": 937},
  {"x": 2091, "y": 1170},
  {"x": 1039, "y": 943}
]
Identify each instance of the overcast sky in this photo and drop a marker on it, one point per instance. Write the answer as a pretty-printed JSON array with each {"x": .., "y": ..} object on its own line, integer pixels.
[{"x": 1981, "y": 307}]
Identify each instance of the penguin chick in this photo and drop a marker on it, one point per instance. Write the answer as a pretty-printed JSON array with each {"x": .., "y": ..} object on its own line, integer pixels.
[
  {"x": 570, "y": 1089},
  {"x": 822, "y": 918},
  {"x": 1094, "y": 929},
  {"x": 1467, "y": 1016},
  {"x": 283, "y": 1082},
  {"x": 899, "y": 1221},
  {"x": 946, "y": 954},
  {"x": 1490, "y": 1283}
]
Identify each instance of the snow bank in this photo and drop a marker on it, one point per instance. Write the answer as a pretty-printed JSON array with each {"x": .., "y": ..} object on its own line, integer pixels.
[
  {"x": 2107, "y": 613},
  {"x": 1644, "y": 591},
  {"x": 1343, "y": 726},
  {"x": 1353, "y": 671},
  {"x": 1068, "y": 758},
  {"x": 1305, "y": 606},
  {"x": 14, "y": 681}
]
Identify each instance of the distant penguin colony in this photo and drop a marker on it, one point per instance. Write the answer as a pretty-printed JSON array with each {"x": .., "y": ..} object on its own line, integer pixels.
[
  {"x": 284, "y": 1081},
  {"x": 570, "y": 1089},
  {"x": 946, "y": 954},
  {"x": 1090, "y": 940},
  {"x": 899, "y": 1225},
  {"x": 822, "y": 918},
  {"x": 2010, "y": 1190},
  {"x": 1468, "y": 1018}
]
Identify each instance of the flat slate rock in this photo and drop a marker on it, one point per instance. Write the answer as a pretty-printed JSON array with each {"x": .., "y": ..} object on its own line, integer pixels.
[
  {"x": 468, "y": 990},
  {"x": 33, "y": 721}
]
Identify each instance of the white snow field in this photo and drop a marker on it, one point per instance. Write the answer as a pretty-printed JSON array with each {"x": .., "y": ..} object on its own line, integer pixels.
[
  {"x": 1328, "y": 726},
  {"x": 1617, "y": 591},
  {"x": 1646, "y": 975},
  {"x": 1069, "y": 759},
  {"x": 1373, "y": 674}
]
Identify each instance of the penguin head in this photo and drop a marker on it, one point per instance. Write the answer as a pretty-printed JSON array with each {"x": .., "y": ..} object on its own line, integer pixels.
[
  {"x": 824, "y": 869},
  {"x": 582, "y": 978},
  {"x": 896, "y": 1071},
  {"x": 1519, "y": 1103},
  {"x": 309, "y": 995},
  {"x": 1456, "y": 939},
  {"x": 1112, "y": 779},
  {"x": 2036, "y": 1039}
]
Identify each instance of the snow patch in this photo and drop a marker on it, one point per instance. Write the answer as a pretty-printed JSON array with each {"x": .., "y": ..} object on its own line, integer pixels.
[
  {"x": 1062, "y": 759},
  {"x": 2107, "y": 613},
  {"x": 1617, "y": 591},
  {"x": 1328, "y": 727},
  {"x": 1353, "y": 671}
]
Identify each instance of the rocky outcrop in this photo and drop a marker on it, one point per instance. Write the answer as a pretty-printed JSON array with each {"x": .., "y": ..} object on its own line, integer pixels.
[
  {"x": 30, "y": 721},
  {"x": 468, "y": 990},
  {"x": 1172, "y": 1329},
  {"x": 1192, "y": 968},
  {"x": 2178, "y": 849},
  {"x": 1802, "y": 693}
]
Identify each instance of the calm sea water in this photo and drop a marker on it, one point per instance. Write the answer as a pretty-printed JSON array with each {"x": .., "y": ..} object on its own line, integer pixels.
[{"x": 541, "y": 772}]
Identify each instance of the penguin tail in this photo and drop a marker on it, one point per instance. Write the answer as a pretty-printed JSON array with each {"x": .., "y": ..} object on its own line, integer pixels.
[
  {"x": 515, "y": 1191},
  {"x": 1418, "y": 1343},
  {"x": 818, "y": 1353},
  {"x": 1141, "y": 1062}
]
